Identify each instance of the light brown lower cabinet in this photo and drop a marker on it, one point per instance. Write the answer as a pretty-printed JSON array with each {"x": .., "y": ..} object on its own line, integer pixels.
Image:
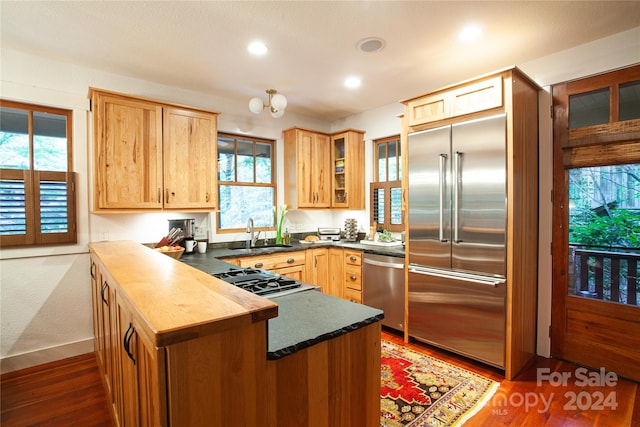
[{"x": 218, "y": 375}]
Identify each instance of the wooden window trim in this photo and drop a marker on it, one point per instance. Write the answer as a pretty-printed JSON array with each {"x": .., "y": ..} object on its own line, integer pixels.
[
  {"x": 253, "y": 139},
  {"x": 32, "y": 178}
]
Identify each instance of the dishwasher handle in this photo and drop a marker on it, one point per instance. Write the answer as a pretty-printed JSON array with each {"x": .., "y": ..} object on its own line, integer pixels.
[{"x": 383, "y": 264}]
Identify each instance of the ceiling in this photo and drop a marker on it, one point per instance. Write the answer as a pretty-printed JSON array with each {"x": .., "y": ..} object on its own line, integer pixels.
[{"x": 201, "y": 46}]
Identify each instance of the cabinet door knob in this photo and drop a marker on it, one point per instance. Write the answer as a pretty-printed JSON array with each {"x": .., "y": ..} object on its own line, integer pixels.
[
  {"x": 353, "y": 278},
  {"x": 258, "y": 265}
]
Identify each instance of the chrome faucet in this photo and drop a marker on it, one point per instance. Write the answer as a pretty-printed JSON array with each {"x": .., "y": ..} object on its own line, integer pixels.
[{"x": 249, "y": 236}]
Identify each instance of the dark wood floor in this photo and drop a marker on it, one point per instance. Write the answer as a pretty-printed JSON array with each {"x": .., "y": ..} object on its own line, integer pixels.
[{"x": 69, "y": 393}]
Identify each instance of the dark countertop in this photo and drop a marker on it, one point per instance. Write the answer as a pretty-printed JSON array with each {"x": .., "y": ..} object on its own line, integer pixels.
[
  {"x": 220, "y": 252},
  {"x": 307, "y": 318},
  {"x": 304, "y": 318}
]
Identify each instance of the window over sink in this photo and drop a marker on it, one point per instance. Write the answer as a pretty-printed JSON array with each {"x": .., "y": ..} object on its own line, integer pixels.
[{"x": 246, "y": 184}]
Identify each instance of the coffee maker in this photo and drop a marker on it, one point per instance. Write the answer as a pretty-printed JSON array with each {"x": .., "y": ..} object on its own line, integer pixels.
[{"x": 187, "y": 226}]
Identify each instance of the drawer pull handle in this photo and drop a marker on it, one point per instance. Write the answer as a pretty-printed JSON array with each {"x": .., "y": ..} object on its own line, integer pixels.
[
  {"x": 353, "y": 278},
  {"x": 353, "y": 258},
  {"x": 127, "y": 342},
  {"x": 92, "y": 270},
  {"x": 290, "y": 261},
  {"x": 258, "y": 265},
  {"x": 102, "y": 289}
]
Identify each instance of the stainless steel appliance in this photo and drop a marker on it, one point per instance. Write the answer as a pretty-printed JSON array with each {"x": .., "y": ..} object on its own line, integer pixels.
[
  {"x": 383, "y": 287},
  {"x": 457, "y": 237},
  {"x": 187, "y": 227},
  {"x": 263, "y": 282},
  {"x": 331, "y": 234}
]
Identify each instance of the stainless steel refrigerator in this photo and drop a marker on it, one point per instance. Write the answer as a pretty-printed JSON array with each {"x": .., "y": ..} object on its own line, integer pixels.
[{"x": 457, "y": 237}]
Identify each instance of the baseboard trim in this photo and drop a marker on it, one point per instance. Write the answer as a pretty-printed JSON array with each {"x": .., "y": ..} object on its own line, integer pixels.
[{"x": 45, "y": 355}]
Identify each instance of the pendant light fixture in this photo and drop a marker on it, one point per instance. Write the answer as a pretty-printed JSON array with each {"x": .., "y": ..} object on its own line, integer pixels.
[{"x": 276, "y": 104}]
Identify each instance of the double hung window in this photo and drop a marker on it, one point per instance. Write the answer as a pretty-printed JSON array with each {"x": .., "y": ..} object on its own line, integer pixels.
[
  {"x": 246, "y": 184},
  {"x": 37, "y": 193}
]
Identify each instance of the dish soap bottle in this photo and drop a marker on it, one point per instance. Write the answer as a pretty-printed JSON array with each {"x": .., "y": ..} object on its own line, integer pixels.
[{"x": 286, "y": 237}]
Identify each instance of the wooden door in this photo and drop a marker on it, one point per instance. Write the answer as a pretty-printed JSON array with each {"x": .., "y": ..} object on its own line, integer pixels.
[
  {"x": 354, "y": 171},
  {"x": 189, "y": 159},
  {"x": 127, "y": 349},
  {"x": 150, "y": 371},
  {"x": 295, "y": 272},
  {"x": 313, "y": 169},
  {"x": 305, "y": 182},
  {"x": 321, "y": 170},
  {"x": 319, "y": 268},
  {"x": 128, "y": 153},
  {"x": 336, "y": 272},
  {"x": 595, "y": 313}
]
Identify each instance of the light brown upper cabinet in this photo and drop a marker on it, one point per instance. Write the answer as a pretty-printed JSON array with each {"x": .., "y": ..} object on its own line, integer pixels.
[
  {"x": 448, "y": 103},
  {"x": 347, "y": 158},
  {"x": 307, "y": 162},
  {"x": 324, "y": 171},
  {"x": 149, "y": 155}
]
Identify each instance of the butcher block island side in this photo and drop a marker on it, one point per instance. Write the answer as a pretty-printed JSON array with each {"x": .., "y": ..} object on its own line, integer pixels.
[{"x": 178, "y": 347}]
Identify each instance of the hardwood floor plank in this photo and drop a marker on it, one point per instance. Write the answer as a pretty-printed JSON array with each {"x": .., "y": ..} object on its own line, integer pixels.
[{"x": 69, "y": 392}]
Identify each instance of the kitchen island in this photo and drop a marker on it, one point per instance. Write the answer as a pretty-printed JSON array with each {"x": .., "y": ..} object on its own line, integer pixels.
[{"x": 178, "y": 347}]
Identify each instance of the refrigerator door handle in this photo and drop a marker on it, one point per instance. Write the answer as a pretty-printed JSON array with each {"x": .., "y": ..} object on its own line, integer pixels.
[
  {"x": 457, "y": 173},
  {"x": 442, "y": 183},
  {"x": 490, "y": 281}
]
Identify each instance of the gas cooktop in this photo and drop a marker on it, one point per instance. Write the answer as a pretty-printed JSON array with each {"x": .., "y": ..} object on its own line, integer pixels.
[{"x": 260, "y": 282}]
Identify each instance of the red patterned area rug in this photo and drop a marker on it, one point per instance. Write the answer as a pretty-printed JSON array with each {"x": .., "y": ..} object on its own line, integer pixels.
[{"x": 418, "y": 390}]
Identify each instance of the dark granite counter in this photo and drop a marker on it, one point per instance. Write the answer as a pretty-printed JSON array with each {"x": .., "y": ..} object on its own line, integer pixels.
[
  {"x": 307, "y": 318},
  {"x": 222, "y": 250},
  {"x": 304, "y": 318}
]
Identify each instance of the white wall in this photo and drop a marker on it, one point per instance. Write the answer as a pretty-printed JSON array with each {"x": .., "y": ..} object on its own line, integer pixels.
[{"x": 44, "y": 292}]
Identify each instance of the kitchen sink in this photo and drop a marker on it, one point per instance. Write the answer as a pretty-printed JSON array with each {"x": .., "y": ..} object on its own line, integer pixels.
[{"x": 259, "y": 247}]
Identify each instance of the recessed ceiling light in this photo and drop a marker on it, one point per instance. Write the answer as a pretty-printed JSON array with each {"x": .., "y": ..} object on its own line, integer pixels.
[
  {"x": 352, "y": 82},
  {"x": 469, "y": 33},
  {"x": 257, "y": 48},
  {"x": 371, "y": 44}
]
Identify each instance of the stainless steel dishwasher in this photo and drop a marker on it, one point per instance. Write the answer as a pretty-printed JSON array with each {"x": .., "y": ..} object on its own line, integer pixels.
[{"x": 383, "y": 287}]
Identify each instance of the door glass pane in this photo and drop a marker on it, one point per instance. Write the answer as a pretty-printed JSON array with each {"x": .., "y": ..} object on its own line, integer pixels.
[
  {"x": 630, "y": 101},
  {"x": 590, "y": 108},
  {"x": 393, "y": 170},
  {"x": 263, "y": 163},
  {"x": 49, "y": 142},
  {"x": 382, "y": 162},
  {"x": 14, "y": 138},
  {"x": 604, "y": 233},
  {"x": 226, "y": 159},
  {"x": 245, "y": 161}
]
